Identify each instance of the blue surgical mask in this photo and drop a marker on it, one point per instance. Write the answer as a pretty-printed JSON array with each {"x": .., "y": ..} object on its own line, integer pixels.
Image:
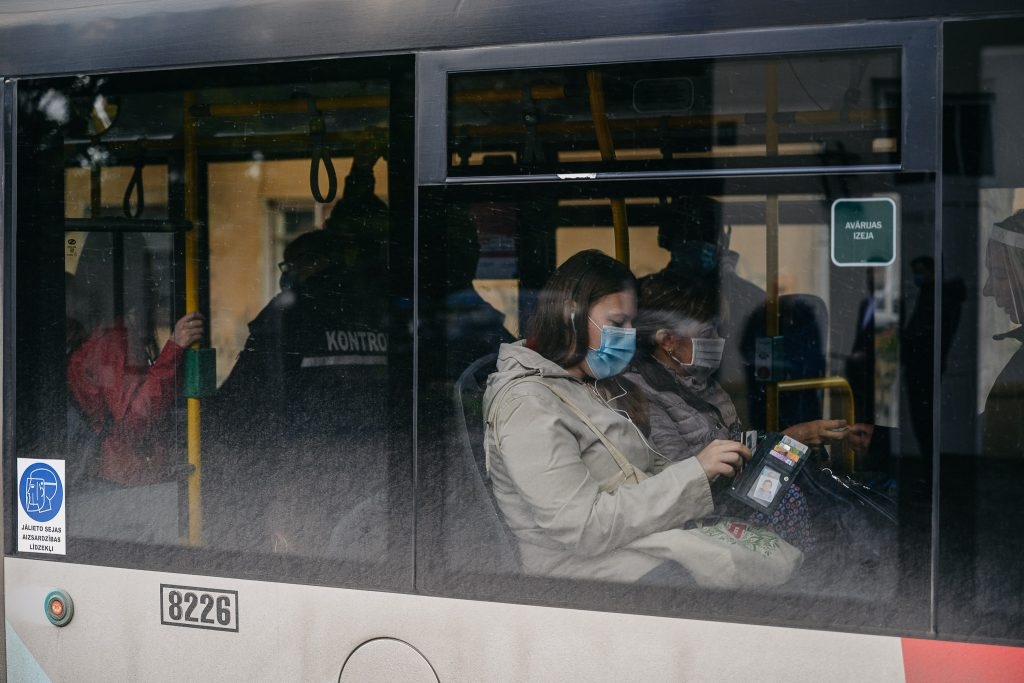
[{"x": 618, "y": 345}]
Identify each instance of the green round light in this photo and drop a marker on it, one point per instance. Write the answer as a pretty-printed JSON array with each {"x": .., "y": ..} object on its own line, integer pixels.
[{"x": 58, "y": 607}]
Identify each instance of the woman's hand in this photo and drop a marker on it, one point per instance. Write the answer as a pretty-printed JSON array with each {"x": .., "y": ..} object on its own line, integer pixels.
[
  {"x": 188, "y": 330},
  {"x": 818, "y": 432},
  {"x": 723, "y": 457}
]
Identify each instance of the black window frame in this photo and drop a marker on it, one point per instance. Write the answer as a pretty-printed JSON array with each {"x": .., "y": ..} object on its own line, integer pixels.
[
  {"x": 398, "y": 70},
  {"x": 918, "y": 43}
]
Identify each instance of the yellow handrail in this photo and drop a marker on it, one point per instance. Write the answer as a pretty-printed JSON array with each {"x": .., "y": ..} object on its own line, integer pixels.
[
  {"x": 607, "y": 147},
  {"x": 833, "y": 383},
  {"x": 195, "y": 452}
]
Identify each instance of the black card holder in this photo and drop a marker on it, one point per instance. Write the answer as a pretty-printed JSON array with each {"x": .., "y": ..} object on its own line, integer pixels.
[{"x": 771, "y": 471}]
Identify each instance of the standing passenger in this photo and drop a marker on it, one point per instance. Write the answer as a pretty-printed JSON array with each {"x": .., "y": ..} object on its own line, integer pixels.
[{"x": 122, "y": 382}]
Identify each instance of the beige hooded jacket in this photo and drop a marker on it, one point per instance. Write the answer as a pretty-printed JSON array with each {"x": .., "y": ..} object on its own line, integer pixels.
[{"x": 547, "y": 466}]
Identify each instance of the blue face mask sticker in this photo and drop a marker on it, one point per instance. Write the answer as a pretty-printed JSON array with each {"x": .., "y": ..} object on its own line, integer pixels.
[{"x": 618, "y": 345}]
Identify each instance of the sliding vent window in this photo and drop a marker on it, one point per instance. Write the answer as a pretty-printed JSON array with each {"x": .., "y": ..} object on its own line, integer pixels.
[{"x": 830, "y": 109}]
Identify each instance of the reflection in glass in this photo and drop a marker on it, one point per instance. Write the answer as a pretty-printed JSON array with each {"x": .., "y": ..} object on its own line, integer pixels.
[
  {"x": 709, "y": 255},
  {"x": 190, "y": 198},
  {"x": 125, "y": 354},
  {"x": 830, "y": 109},
  {"x": 980, "y": 419}
]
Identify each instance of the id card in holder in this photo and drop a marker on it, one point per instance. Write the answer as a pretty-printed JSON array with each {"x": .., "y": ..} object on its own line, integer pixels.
[{"x": 771, "y": 470}]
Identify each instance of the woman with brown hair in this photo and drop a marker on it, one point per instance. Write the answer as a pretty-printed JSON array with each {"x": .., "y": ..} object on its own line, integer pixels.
[{"x": 570, "y": 473}]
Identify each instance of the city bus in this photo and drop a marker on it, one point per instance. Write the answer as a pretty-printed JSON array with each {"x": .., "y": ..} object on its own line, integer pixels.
[{"x": 243, "y": 428}]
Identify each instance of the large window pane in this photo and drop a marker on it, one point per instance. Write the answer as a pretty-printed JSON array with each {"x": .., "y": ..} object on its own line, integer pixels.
[
  {"x": 193, "y": 191},
  {"x": 745, "y": 240},
  {"x": 981, "y": 576}
]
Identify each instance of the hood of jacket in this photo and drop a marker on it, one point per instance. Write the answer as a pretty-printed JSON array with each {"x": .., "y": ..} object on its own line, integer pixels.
[
  {"x": 548, "y": 466},
  {"x": 515, "y": 361}
]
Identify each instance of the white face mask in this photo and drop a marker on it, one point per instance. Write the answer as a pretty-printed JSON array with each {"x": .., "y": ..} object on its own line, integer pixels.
[
  {"x": 705, "y": 359},
  {"x": 707, "y": 353}
]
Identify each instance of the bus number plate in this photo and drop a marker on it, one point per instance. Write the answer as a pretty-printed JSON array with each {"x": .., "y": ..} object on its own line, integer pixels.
[{"x": 198, "y": 607}]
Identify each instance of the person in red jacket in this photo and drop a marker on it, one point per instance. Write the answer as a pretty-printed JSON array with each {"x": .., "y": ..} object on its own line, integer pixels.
[{"x": 127, "y": 389}]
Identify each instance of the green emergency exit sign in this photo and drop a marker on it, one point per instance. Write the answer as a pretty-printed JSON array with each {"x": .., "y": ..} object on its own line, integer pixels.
[{"x": 864, "y": 232}]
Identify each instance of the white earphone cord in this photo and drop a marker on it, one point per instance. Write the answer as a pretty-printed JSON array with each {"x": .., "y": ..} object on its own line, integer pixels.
[{"x": 625, "y": 414}]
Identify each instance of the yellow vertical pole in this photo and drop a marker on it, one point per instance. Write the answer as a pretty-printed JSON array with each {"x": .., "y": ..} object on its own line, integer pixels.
[
  {"x": 621, "y": 228},
  {"x": 607, "y": 147},
  {"x": 772, "y": 302},
  {"x": 195, "y": 454},
  {"x": 771, "y": 217},
  {"x": 95, "y": 190}
]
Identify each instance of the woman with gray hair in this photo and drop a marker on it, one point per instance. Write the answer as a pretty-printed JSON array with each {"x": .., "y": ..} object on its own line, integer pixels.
[{"x": 678, "y": 351}]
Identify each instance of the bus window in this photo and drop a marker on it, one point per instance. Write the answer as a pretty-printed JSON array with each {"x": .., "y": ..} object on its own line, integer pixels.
[
  {"x": 828, "y": 109},
  {"x": 250, "y": 211},
  {"x": 750, "y": 262}
]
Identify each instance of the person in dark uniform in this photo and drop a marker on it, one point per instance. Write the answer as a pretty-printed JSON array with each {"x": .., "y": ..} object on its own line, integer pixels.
[{"x": 301, "y": 421}]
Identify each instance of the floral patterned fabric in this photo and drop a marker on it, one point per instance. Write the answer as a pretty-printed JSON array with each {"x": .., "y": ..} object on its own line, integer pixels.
[{"x": 791, "y": 519}]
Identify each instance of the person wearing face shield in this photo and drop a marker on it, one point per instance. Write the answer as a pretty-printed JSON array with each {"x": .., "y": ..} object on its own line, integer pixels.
[
  {"x": 307, "y": 379},
  {"x": 679, "y": 349},
  {"x": 992, "y": 515},
  {"x": 1002, "y": 421}
]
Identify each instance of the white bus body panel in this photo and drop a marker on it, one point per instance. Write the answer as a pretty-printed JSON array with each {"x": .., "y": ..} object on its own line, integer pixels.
[{"x": 306, "y": 633}]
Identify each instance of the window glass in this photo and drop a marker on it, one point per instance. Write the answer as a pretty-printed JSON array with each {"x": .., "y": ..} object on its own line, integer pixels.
[
  {"x": 514, "y": 492},
  {"x": 829, "y": 109},
  {"x": 981, "y": 286},
  {"x": 248, "y": 211}
]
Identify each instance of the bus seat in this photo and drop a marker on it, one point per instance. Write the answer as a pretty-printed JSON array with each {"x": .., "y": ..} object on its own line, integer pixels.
[{"x": 473, "y": 521}]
